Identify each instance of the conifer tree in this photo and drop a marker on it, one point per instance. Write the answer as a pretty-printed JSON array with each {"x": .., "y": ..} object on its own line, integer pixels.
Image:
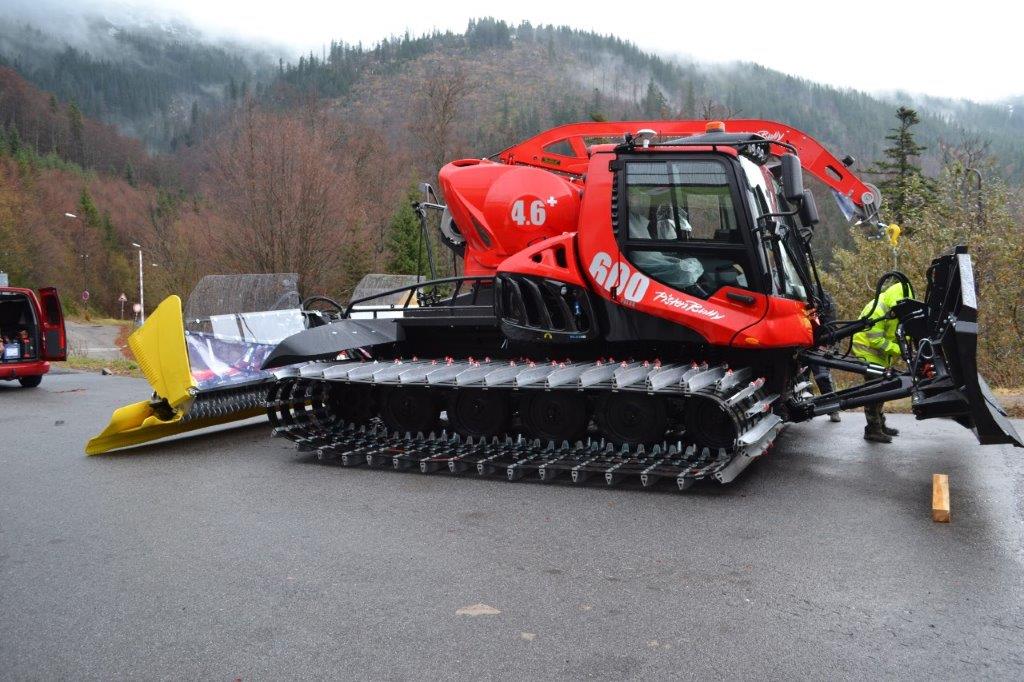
[
  {"x": 406, "y": 255},
  {"x": 129, "y": 175},
  {"x": 87, "y": 209},
  {"x": 654, "y": 104},
  {"x": 76, "y": 127},
  {"x": 13, "y": 141},
  {"x": 905, "y": 189}
]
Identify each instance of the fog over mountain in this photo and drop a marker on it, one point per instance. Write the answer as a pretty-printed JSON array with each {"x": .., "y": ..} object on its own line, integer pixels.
[{"x": 151, "y": 71}]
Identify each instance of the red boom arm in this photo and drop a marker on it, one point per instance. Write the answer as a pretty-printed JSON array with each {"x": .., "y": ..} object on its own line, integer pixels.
[{"x": 546, "y": 150}]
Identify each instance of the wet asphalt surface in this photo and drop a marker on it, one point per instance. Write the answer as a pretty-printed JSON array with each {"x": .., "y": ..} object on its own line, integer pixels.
[{"x": 230, "y": 556}]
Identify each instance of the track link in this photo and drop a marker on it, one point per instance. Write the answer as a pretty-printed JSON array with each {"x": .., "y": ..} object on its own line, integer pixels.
[{"x": 303, "y": 407}]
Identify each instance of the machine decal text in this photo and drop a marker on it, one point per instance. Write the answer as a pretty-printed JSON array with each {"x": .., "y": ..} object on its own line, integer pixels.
[{"x": 694, "y": 307}]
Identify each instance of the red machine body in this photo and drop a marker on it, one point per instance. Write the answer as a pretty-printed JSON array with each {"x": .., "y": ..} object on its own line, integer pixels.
[{"x": 544, "y": 208}]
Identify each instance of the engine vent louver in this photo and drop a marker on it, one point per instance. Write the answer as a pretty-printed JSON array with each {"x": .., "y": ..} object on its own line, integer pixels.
[{"x": 539, "y": 309}]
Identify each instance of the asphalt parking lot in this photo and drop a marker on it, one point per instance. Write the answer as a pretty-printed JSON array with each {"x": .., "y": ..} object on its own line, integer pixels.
[{"x": 231, "y": 556}]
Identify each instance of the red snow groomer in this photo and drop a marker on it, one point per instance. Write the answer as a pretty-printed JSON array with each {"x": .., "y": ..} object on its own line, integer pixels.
[{"x": 638, "y": 299}]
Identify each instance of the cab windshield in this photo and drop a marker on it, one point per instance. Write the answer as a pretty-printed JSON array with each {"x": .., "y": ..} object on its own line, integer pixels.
[{"x": 768, "y": 198}]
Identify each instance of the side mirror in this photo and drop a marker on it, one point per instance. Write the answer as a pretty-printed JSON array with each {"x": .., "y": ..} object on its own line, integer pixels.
[
  {"x": 808, "y": 210},
  {"x": 792, "y": 178}
]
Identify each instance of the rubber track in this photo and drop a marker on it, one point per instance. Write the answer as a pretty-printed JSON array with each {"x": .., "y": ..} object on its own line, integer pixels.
[{"x": 298, "y": 408}]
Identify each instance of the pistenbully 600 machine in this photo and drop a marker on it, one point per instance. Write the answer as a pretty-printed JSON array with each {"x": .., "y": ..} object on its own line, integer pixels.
[{"x": 638, "y": 300}]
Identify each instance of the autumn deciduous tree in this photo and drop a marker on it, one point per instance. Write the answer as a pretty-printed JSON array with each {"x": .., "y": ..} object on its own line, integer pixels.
[
  {"x": 438, "y": 107},
  {"x": 287, "y": 201},
  {"x": 988, "y": 224}
]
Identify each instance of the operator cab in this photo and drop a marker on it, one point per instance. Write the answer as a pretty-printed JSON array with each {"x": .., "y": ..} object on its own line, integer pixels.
[
  {"x": 683, "y": 229},
  {"x": 699, "y": 221}
]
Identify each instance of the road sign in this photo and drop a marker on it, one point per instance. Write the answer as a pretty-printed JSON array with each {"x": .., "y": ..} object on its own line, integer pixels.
[
  {"x": 85, "y": 295},
  {"x": 122, "y": 298},
  {"x": 136, "y": 308}
]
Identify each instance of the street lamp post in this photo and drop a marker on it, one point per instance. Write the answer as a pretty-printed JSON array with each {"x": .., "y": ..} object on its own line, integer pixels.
[
  {"x": 82, "y": 256},
  {"x": 142, "y": 302}
]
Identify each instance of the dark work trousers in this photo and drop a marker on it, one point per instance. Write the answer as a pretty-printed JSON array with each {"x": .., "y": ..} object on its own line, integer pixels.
[
  {"x": 823, "y": 378},
  {"x": 873, "y": 413}
]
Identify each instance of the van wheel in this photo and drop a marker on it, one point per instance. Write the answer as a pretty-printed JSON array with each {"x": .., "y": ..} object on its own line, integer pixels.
[{"x": 31, "y": 382}]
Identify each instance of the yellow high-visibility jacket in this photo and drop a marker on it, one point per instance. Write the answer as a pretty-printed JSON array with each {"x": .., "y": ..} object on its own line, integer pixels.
[{"x": 877, "y": 343}]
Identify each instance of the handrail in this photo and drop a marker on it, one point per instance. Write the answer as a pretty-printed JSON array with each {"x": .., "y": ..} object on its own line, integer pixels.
[{"x": 412, "y": 288}]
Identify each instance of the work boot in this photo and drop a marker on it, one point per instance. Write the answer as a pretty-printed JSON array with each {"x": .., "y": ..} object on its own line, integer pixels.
[
  {"x": 876, "y": 435},
  {"x": 890, "y": 431},
  {"x": 835, "y": 418}
]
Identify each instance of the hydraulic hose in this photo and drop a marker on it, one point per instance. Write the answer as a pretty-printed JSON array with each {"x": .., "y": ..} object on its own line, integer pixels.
[{"x": 838, "y": 330}]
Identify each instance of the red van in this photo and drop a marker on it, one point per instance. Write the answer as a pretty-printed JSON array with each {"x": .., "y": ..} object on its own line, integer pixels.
[{"x": 31, "y": 334}]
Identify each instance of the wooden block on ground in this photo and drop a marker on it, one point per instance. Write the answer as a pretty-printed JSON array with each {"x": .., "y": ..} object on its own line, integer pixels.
[{"x": 940, "y": 498}]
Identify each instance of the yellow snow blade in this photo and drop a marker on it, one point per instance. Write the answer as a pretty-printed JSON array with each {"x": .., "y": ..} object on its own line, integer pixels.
[
  {"x": 161, "y": 351},
  {"x": 159, "y": 348},
  {"x": 138, "y": 423}
]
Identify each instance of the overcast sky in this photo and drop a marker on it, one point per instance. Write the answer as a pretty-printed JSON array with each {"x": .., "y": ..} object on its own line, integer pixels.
[{"x": 954, "y": 49}]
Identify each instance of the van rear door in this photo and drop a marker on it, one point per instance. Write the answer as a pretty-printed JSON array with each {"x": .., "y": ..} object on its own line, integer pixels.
[{"x": 55, "y": 344}]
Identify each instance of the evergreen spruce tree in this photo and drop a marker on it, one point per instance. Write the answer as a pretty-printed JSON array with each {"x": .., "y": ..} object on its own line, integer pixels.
[
  {"x": 691, "y": 101},
  {"x": 129, "y": 175},
  {"x": 76, "y": 128},
  {"x": 406, "y": 256},
  {"x": 654, "y": 104},
  {"x": 906, "y": 191},
  {"x": 596, "y": 112},
  {"x": 109, "y": 235},
  {"x": 13, "y": 141},
  {"x": 87, "y": 209}
]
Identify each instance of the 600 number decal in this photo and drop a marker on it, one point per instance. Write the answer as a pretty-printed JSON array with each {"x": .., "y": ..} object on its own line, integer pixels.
[{"x": 608, "y": 274}]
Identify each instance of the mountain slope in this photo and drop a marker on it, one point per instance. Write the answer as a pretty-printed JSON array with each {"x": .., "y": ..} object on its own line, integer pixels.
[
  {"x": 145, "y": 79},
  {"x": 581, "y": 74},
  {"x": 154, "y": 81}
]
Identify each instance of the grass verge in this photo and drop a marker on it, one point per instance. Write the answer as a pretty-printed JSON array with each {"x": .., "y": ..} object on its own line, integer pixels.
[{"x": 124, "y": 368}]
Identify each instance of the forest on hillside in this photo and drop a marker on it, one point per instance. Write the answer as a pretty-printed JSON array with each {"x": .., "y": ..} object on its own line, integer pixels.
[{"x": 217, "y": 161}]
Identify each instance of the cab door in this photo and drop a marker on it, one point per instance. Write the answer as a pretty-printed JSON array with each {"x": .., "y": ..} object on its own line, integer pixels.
[{"x": 51, "y": 327}]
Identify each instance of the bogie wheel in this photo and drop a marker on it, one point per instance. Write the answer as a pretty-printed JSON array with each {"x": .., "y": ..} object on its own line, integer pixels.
[
  {"x": 708, "y": 424},
  {"x": 554, "y": 416},
  {"x": 479, "y": 413},
  {"x": 409, "y": 410},
  {"x": 632, "y": 418},
  {"x": 31, "y": 382},
  {"x": 351, "y": 402}
]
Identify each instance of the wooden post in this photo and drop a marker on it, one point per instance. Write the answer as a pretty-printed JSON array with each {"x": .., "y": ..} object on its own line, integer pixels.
[{"x": 940, "y": 498}]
